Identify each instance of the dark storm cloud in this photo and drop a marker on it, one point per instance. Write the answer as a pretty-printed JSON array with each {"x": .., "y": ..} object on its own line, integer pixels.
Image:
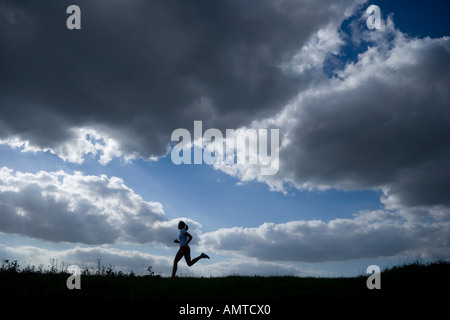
[
  {"x": 381, "y": 123},
  {"x": 140, "y": 69},
  {"x": 386, "y": 124}
]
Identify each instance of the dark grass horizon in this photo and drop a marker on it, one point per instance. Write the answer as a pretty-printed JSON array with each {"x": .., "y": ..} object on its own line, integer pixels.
[{"x": 413, "y": 280}]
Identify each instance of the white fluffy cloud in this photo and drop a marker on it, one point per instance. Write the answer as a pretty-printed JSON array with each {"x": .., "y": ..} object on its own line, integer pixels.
[
  {"x": 367, "y": 235},
  {"x": 62, "y": 207}
]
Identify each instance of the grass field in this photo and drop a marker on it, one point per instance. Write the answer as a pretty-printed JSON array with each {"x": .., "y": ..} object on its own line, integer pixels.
[{"x": 411, "y": 281}]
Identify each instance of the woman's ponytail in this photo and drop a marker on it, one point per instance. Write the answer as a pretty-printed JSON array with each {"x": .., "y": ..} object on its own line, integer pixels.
[{"x": 186, "y": 227}]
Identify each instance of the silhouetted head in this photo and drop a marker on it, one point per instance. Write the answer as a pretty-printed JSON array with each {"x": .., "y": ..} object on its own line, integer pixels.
[{"x": 182, "y": 225}]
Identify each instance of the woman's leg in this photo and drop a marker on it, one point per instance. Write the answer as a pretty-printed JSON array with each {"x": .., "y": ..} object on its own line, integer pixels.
[
  {"x": 190, "y": 262},
  {"x": 178, "y": 257},
  {"x": 187, "y": 257}
]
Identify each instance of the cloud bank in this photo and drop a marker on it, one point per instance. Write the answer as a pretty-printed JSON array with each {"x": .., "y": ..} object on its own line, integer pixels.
[
  {"x": 77, "y": 208},
  {"x": 94, "y": 210},
  {"x": 367, "y": 235}
]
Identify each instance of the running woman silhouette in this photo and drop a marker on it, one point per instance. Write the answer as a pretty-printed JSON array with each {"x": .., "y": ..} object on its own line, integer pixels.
[{"x": 184, "y": 250}]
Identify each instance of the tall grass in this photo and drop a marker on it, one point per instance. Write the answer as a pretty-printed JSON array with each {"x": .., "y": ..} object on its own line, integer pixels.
[
  {"x": 414, "y": 281},
  {"x": 55, "y": 267}
]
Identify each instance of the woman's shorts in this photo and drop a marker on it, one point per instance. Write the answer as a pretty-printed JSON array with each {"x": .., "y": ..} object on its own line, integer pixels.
[{"x": 185, "y": 249}]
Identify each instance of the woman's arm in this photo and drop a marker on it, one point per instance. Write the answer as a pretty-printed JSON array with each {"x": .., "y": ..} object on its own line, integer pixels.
[{"x": 189, "y": 238}]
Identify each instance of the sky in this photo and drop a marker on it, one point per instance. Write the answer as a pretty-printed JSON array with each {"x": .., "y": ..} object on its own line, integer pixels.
[{"x": 87, "y": 117}]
